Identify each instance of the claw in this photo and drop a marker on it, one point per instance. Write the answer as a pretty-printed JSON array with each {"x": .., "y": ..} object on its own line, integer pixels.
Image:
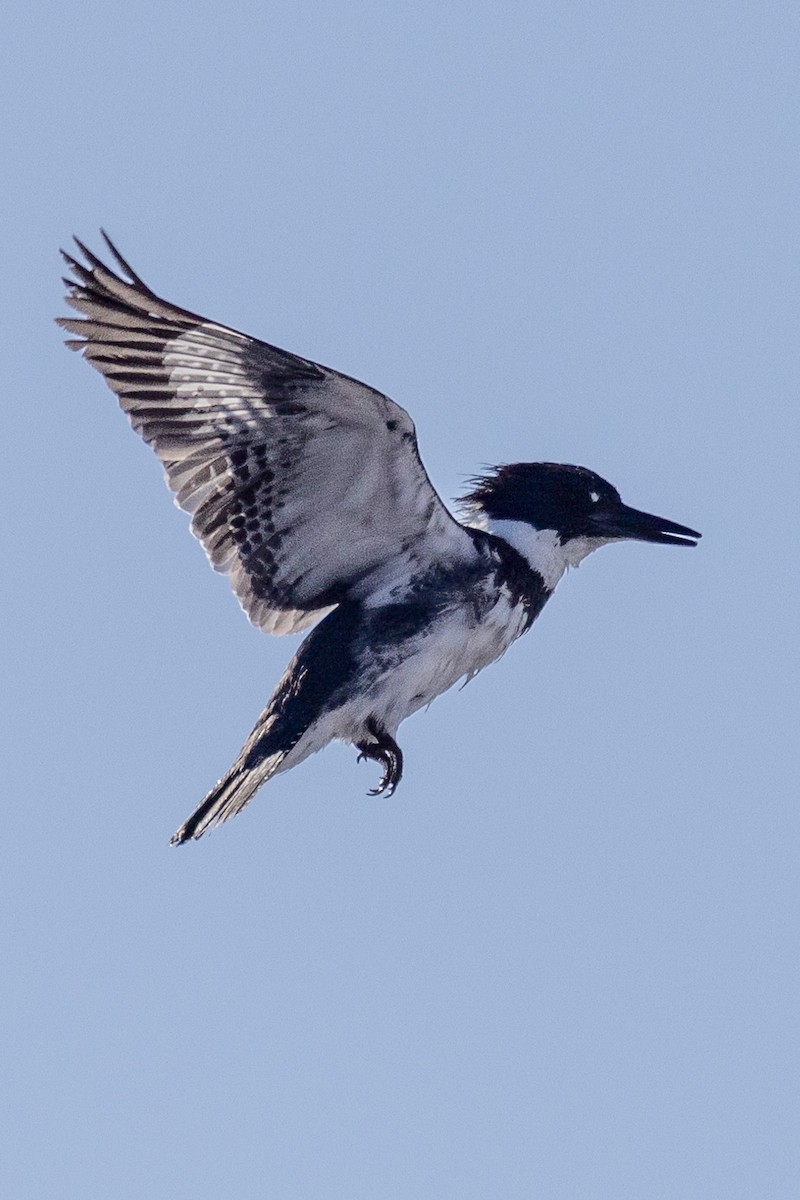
[{"x": 385, "y": 750}]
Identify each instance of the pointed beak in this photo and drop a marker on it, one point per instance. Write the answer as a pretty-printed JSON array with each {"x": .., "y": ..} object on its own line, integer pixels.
[{"x": 626, "y": 522}]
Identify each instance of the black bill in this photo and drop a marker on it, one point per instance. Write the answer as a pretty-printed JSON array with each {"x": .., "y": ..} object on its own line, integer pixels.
[{"x": 625, "y": 522}]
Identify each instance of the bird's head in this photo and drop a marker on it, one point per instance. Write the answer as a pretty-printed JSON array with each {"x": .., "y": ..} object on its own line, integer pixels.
[{"x": 556, "y": 514}]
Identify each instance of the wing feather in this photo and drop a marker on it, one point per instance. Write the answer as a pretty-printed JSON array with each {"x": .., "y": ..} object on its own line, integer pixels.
[{"x": 303, "y": 484}]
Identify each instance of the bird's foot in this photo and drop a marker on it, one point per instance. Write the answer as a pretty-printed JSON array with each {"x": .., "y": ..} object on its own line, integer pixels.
[{"x": 385, "y": 750}]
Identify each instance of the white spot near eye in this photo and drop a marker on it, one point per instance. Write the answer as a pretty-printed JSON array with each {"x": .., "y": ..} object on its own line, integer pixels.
[{"x": 594, "y": 497}]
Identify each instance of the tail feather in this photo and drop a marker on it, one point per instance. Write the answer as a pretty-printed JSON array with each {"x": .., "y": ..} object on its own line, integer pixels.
[
  {"x": 229, "y": 795},
  {"x": 323, "y": 664}
]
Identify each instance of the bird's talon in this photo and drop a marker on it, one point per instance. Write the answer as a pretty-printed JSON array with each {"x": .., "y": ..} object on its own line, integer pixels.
[{"x": 384, "y": 750}]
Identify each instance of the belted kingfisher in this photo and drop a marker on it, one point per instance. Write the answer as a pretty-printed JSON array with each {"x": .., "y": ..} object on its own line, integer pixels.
[{"x": 306, "y": 487}]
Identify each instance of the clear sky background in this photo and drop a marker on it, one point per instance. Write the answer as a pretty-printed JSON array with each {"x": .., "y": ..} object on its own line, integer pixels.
[{"x": 562, "y": 961}]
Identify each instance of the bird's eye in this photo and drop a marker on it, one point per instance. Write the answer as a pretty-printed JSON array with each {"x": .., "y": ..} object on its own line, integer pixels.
[{"x": 594, "y": 497}]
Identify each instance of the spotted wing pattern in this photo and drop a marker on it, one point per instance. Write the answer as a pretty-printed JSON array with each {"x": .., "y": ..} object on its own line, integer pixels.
[{"x": 304, "y": 485}]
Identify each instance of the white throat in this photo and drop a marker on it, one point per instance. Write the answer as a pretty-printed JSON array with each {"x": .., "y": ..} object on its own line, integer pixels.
[{"x": 542, "y": 549}]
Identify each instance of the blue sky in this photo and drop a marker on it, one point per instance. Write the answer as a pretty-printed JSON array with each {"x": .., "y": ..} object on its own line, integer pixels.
[{"x": 562, "y": 960}]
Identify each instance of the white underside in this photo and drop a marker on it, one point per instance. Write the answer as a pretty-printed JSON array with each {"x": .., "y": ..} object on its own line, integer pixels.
[
  {"x": 453, "y": 648},
  {"x": 449, "y": 650}
]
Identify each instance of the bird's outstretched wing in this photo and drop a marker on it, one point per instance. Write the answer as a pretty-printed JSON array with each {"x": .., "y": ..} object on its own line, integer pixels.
[{"x": 304, "y": 485}]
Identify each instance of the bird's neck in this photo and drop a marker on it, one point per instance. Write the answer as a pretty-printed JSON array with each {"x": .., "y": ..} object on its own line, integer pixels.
[{"x": 542, "y": 549}]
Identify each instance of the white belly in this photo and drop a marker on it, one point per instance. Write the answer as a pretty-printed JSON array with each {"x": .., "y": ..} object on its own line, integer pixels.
[{"x": 451, "y": 649}]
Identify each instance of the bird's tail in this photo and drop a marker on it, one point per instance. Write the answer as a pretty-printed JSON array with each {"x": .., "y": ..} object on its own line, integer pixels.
[
  {"x": 256, "y": 763},
  {"x": 284, "y": 734}
]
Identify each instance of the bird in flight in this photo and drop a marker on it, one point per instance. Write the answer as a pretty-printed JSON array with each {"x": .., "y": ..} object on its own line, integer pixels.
[{"x": 306, "y": 487}]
